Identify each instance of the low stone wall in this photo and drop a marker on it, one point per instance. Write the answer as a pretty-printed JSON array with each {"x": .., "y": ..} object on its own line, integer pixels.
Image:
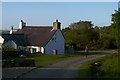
[{"x": 18, "y": 63}]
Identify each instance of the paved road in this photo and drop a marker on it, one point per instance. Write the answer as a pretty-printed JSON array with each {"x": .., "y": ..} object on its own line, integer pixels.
[
  {"x": 107, "y": 51},
  {"x": 64, "y": 69},
  {"x": 14, "y": 72}
]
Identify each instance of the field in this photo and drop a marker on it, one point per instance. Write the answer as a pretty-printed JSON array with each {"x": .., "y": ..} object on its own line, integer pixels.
[{"x": 109, "y": 68}]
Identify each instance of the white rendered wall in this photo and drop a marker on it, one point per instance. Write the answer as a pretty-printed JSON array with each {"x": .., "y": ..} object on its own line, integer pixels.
[
  {"x": 58, "y": 45},
  {"x": 1, "y": 40},
  {"x": 42, "y": 50},
  {"x": 35, "y": 47}
]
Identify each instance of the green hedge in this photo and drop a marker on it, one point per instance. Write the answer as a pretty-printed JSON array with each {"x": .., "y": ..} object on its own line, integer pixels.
[{"x": 8, "y": 52}]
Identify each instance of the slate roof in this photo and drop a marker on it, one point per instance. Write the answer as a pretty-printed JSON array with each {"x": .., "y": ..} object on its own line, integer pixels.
[
  {"x": 19, "y": 39},
  {"x": 37, "y": 35}
]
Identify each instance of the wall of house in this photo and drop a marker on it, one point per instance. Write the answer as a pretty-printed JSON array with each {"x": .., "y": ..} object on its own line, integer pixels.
[
  {"x": 1, "y": 39},
  {"x": 56, "y": 44},
  {"x": 33, "y": 49},
  {"x": 42, "y": 49},
  {"x": 1, "y": 42},
  {"x": 11, "y": 43}
]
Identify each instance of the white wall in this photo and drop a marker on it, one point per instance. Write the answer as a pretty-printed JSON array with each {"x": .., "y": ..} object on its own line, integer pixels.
[
  {"x": 11, "y": 43},
  {"x": 33, "y": 47},
  {"x": 1, "y": 42},
  {"x": 1, "y": 39},
  {"x": 42, "y": 50},
  {"x": 58, "y": 45}
]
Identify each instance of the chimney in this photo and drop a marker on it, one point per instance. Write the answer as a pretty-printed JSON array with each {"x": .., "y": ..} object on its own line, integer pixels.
[
  {"x": 11, "y": 30},
  {"x": 22, "y": 24},
  {"x": 56, "y": 25}
]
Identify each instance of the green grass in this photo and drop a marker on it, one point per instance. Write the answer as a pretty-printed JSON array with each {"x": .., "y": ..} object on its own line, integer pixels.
[
  {"x": 109, "y": 66},
  {"x": 46, "y": 59}
]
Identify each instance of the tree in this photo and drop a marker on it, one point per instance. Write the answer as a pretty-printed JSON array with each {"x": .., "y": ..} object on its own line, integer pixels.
[
  {"x": 79, "y": 34},
  {"x": 81, "y": 25},
  {"x": 115, "y": 26}
]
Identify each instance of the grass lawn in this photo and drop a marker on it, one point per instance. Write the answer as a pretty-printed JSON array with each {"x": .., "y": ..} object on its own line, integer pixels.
[
  {"x": 46, "y": 59},
  {"x": 110, "y": 67}
]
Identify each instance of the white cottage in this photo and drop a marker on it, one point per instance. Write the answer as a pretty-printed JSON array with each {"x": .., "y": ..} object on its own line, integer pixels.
[{"x": 44, "y": 39}]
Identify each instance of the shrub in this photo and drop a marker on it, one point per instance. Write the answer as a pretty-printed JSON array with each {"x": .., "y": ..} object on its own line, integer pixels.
[
  {"x": 18, "y": 63},
  {"x": 8, "y": 52},
  {"x": 95, "y": 68}
]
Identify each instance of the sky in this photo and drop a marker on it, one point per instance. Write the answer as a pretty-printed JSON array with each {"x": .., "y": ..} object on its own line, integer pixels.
[{"x": 45, "y": 13}]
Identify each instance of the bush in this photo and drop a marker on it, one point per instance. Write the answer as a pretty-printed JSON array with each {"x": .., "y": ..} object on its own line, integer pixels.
[
  {"x": 95, "y": 68},
  {"x": 18, "y": 63},
  {"x": 8, "y": 52}
]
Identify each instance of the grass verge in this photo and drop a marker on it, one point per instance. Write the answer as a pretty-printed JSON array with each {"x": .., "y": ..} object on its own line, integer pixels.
[
  {"x": 46, "y": 59},
  {"x": 110, "y": 67}
]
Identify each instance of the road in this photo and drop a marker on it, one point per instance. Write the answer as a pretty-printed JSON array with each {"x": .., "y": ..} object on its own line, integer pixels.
[{"x": 64, "y": 69}]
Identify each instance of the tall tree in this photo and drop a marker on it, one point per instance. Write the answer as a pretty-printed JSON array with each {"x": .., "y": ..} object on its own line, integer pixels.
[
  {"x": 81, "y": 25},
  {"x": 79, "y": 34},
  {"x": 116, "y": 26}
]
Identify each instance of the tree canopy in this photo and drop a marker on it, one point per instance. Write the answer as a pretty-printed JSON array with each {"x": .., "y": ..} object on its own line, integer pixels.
[
  {"x": 82, "y": 33},
  {"x": 81, "y": 25},
  {"x": 115, "y": 26}
]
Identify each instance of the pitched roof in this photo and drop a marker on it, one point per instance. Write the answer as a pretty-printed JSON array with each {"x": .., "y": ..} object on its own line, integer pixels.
[
  {"x": 37, "y": 35},
  {"x": 19, "y": 39}
]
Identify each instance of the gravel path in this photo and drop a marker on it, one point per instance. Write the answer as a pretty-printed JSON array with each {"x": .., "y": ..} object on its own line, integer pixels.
[{"x": 64, "y": 69}]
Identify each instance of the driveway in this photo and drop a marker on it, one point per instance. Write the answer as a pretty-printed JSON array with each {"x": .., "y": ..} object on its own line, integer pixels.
[{"x": 64, "y": 69}]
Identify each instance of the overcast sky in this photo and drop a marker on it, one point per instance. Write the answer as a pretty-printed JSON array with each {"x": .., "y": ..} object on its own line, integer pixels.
[{"x": 45, "y": 13}]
